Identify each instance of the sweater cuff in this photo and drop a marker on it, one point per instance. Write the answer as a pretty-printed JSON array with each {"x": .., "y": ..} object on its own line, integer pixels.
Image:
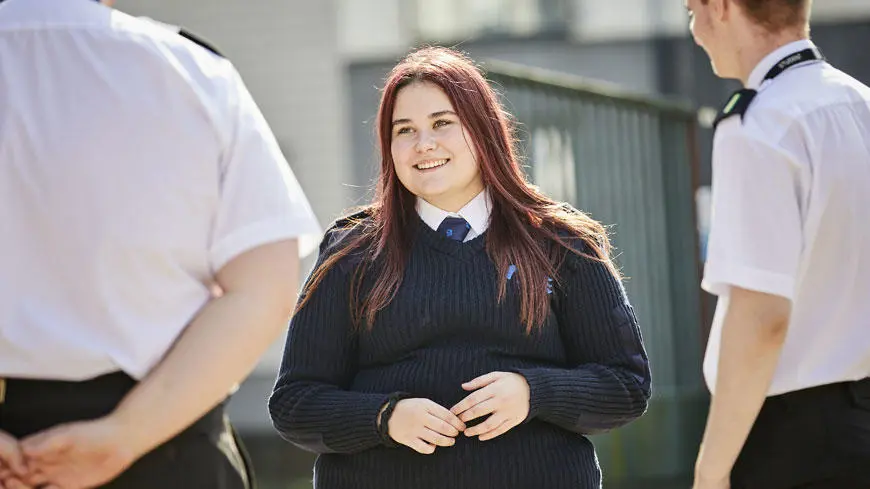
[
  {"x": 540, "y": 391},
  {"x": 385, "y": 413},
  {"x": 361, "y": 427}
]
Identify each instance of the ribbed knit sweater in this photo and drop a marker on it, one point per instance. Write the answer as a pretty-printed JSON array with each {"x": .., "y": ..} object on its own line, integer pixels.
[{"x": 586, "y": 368}]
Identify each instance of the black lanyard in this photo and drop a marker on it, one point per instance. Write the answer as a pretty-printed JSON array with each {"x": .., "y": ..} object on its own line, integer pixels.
[
  {"x": 739, "y": 101},
  {"x": 808, "y": 54}
]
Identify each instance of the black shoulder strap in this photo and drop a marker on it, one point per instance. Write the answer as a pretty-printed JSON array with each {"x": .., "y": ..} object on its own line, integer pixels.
[
  {"x": 738, "y": 104},
  {"x": 198, "y": 40},
  {"x": 185, "y": 34}
]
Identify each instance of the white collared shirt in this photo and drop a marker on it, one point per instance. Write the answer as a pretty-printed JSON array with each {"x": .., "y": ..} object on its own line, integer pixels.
[
  {"x": 475, "y": 212},
  {"x": 791, "y": 217},
  {"x": 134, "y": 164}
]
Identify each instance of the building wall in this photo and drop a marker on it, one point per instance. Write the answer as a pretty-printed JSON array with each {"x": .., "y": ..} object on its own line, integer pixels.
[
  {"x": 598, "y": 20},
  {"x": 377, "y": 28}
]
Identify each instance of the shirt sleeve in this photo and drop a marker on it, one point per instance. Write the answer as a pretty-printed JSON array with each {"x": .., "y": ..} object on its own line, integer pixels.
[
  {"x": 260, "y": 200},
  {"x": 756, "y": 234}
]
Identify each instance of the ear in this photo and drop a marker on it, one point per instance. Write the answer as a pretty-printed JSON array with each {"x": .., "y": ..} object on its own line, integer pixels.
[{"x": 721, "y": 10}]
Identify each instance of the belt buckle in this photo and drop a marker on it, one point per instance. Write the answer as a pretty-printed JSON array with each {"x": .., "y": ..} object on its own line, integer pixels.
[{"x": 2, "y": 390}]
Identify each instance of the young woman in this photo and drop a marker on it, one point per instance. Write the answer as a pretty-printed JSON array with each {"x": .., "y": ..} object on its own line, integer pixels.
[{"x": 464, "y": 330}]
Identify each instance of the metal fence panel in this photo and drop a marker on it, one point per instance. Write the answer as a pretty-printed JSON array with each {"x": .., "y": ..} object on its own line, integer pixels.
[{"x": 630, "y": 162}]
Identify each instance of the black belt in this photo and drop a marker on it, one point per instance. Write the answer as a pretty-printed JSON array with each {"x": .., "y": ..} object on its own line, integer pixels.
[
  {"x": 17, "y": 389},
  {"x": 92, "y": 398}
]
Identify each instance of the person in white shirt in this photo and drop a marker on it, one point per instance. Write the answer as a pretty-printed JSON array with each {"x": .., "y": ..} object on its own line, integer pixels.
[
  {"x": 788, "y": 357},
  {"x": 149, "y": 253}
]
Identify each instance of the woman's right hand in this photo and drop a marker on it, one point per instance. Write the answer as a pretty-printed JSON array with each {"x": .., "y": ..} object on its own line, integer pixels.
[{"x": 422, "y": 425}]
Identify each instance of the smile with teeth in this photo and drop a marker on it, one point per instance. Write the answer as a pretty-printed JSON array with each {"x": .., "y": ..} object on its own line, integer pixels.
[{"x": 428, "y": 165}]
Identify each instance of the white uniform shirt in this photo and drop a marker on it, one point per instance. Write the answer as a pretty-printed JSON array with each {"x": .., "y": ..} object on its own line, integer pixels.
[
  {"x": 134, "y": 164},
  {"x": 475, "y": 212},
  {"x": 791, "y": 217}
]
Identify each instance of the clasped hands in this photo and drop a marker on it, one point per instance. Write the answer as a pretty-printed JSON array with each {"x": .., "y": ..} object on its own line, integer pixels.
[
  {"x": 77, "y": 455},
  {"x": 422, "y": 424}
]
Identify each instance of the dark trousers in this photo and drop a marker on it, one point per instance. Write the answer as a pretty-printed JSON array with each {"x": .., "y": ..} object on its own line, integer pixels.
[
  {"x": 206, "y": 455},
  {"x": 817, "y": 438}
]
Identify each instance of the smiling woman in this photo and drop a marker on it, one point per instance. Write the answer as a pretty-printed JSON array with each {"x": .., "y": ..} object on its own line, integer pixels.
[
  {"x": 464, "y": 330},
  {"x": 431, "y": 149}
]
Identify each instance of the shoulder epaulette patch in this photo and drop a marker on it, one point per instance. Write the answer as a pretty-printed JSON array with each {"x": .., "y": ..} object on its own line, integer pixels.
[
  {"x": 738, "y": 104},
  {"x": 197, "y": 40}
]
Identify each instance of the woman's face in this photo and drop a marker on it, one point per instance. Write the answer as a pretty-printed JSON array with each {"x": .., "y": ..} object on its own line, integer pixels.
[{"x": 432, "y": 152}]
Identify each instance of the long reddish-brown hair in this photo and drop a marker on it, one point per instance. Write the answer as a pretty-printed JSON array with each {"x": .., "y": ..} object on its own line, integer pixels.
[{"x": 526, "y": 227}]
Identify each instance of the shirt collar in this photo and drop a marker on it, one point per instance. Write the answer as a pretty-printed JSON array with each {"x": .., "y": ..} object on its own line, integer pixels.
[
  {"x": 476, "y": 212},
  {"x": 756, "y": 78}
]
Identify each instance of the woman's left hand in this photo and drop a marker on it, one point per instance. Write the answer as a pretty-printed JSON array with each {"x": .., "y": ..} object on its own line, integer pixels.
[{"x": 504, "y": 395}]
